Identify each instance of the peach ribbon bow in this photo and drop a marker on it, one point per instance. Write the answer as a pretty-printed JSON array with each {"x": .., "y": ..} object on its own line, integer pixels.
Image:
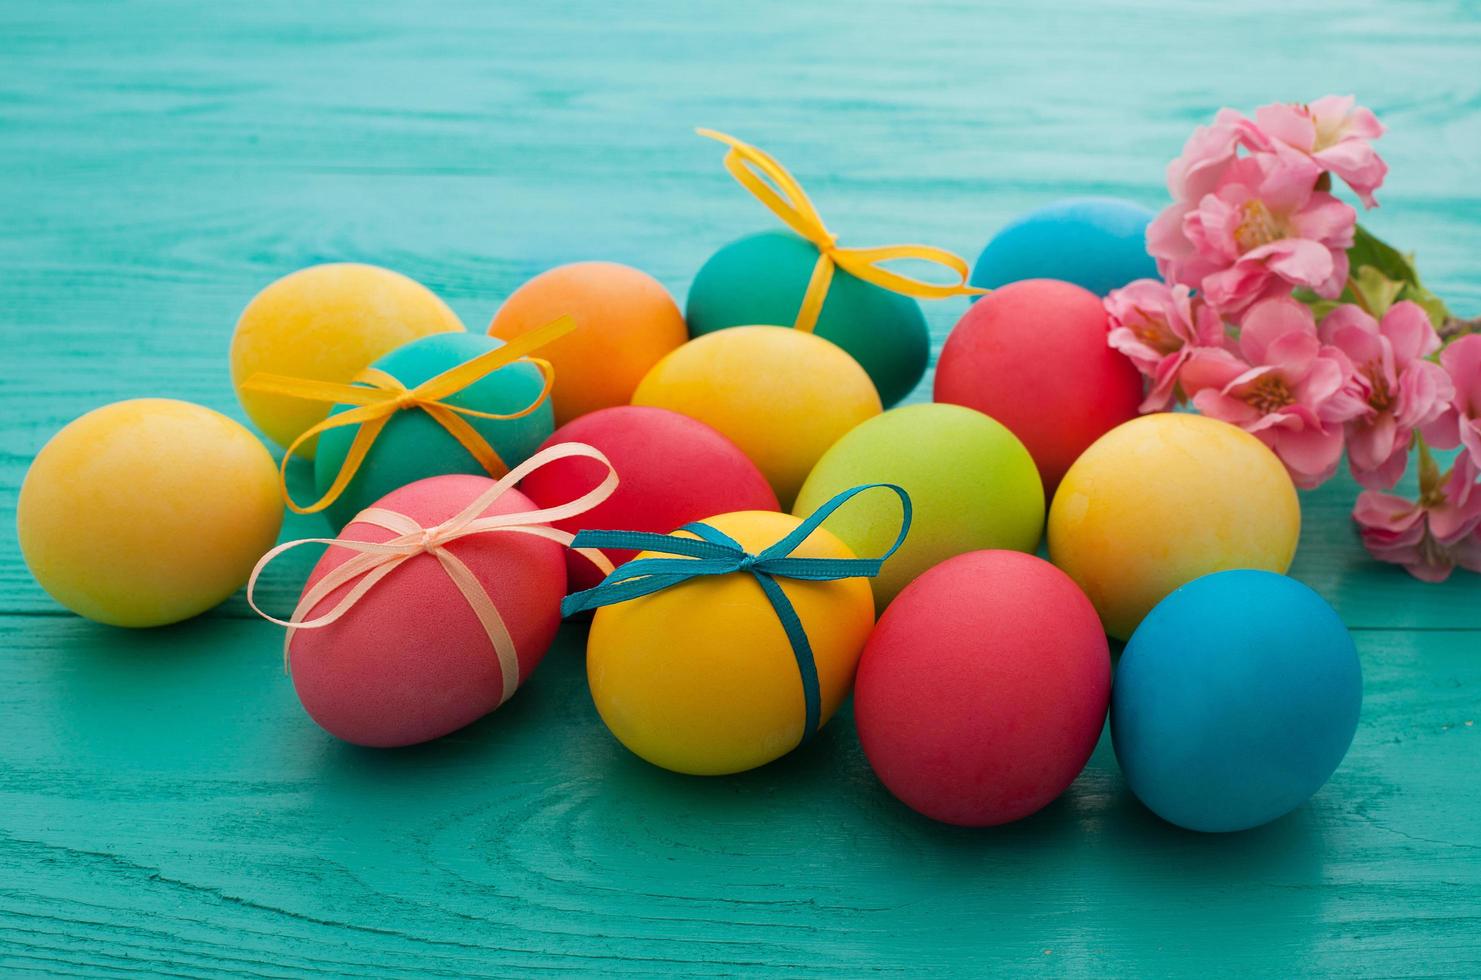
[{"x": 375, "y": 560}]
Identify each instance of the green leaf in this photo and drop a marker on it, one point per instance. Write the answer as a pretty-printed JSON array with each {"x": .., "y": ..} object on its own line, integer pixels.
[
  {"x": 1376, "y": 266},
  {"x": 1377, "y": 291}
]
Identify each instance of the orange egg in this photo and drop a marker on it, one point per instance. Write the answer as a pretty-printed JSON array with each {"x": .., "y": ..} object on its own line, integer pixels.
[{"x": 625, "y": 323}]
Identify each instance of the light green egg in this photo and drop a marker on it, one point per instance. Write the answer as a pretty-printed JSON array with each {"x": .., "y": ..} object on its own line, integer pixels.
[{"x": 973, "y": 485}]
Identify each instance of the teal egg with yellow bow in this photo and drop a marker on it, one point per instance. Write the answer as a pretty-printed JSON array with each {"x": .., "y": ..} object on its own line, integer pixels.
[
  {"x": 414, "y": 445},
  {"x": 762, "y": 279}
]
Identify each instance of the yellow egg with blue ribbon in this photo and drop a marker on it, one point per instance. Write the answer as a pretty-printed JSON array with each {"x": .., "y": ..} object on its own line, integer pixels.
[
  {"x": 803, "y": 278},
  {"x": 725, "y": 645},
  {"x": 447, "y": 403}
]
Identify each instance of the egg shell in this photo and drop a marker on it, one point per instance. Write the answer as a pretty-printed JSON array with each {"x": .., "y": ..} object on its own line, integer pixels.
[
  {"x": 326, "y": 322},
  {"x": 147, "y": 512},
  {"x": 762, "y": 278},
  {"x": 410, "y": 661},
  {"x": 700, "y": 677},
  {"x": 673, "y": 470},
  {"x": 1235, "y": 701},
  {"x": 983, "y": 689},
  {"x": 1162, "y": 500},
  {"x": 1097, "y": 243},
  {"x": 972, "y": 484},
  {"x": 1034, "y": 356},
  {"x": 413, "y": 446},
  {"x": 781, "y": 395},
  {"x": 625, "y": 322}
]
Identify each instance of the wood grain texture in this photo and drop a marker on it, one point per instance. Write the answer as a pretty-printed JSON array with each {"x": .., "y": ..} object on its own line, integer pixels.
[{"x": 165, "y": 807}]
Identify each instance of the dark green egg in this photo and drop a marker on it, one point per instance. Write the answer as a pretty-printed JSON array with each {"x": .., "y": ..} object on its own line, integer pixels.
[
  {"x": 761, "y": 279},
  {"x": 413, "y": 445}
]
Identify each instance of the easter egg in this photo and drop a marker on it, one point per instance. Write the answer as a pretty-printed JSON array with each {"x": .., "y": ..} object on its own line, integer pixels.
[
  {"x": 700, "y": 677},
  {"x": 781, "y": 395},
  {"x": 1235, "y": 701},
  {"x": 410, "y": 660},
  {"x": 413, "y": 445},
  {"x": 1034, "y": 356},
  {"x": 983, "y": 689},
  {"x": 972, "y": 483},
  {"x": 673, "y": 470},
  {"x": 762, "y": 278},
  {"x": 1097, "y": 243},
  {"x": 326, "y": 322},
  {"x": 1162, "y": 500},
  {"x": 625, "y": 322},
  {"x": 147, "y": 512}
]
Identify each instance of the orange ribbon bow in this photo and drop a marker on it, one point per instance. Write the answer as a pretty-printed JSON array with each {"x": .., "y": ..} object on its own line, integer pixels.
[
  {"x": 378, "y": 397},
  {"x": 770, "y": 183}
]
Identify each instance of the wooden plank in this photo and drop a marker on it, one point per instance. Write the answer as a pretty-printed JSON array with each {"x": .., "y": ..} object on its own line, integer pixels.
[{"x": 167, "y": 806}]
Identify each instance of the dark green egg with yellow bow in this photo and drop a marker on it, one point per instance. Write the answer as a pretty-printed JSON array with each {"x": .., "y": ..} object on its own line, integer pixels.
[
  {"x": 446, "y": 403},
  {"x": 803, "y": 278},
  {"x": 762, "y": 278}
]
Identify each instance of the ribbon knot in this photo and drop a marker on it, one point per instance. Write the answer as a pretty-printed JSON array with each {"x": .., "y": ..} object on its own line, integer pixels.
[
  {"x": 376, "y": 397},
  {"x": 374, "y": 560},
  {"x": 406, "y": 399},
  {"x": 427, "y": 539},
  {"x": 774, "y": 186},
  {"x": 708, "y": 551}
]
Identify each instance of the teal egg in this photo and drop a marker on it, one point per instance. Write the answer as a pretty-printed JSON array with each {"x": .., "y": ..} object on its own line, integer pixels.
[
  {"x": 761, "y": 279},
  {"x": 413, "y": 446}
]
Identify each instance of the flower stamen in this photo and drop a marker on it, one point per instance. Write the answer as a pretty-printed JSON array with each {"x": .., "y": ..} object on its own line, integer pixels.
[
  {"x": 1270, "y": 394},
  {"x": 1257, "y": 226}
]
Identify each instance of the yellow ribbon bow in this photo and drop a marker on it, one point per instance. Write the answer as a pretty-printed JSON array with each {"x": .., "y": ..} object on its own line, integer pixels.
[
  {"x": 753, "y": 167},
  {"x": 372, "y": 561},
  {"x": 379, "y": 397}
]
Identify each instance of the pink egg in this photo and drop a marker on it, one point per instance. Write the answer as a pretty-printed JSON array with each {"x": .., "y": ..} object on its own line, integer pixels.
[
  {"x": 672, "y": 470},
  {"x": 983, "y": 689},
  {"x": 1033, "y": 355},
  {"x": 410, "y": 661}
]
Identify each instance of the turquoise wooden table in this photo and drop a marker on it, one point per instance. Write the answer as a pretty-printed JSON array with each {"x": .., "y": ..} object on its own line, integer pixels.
[{"x": 166, "y": 808}]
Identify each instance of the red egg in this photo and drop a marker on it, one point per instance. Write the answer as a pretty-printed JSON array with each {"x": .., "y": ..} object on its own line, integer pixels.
[
  {"x": 983, "y": 689},
  {"x": 1033, "y": 355},
  {"x": 410, "y": 661},
  {"x": 671, "y": 469}
]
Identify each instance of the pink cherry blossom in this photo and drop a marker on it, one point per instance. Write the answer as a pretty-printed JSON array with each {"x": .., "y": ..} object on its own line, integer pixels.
[
  {"x": 1158, "y": 327},
  {"x": 1284, "y": 386},
  {"x": 1460, "y": 423},
  {"x": 1400, "y": 390},
  {"x": 1198, "y": 169},
  {"x": 1264, "y": 230},
  {"x": 1335, "y": 133},
  {"x": 1431, "y": 536}
]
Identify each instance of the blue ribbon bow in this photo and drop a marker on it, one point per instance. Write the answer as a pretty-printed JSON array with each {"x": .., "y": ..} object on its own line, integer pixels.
[{"x": 713, "y": 552}]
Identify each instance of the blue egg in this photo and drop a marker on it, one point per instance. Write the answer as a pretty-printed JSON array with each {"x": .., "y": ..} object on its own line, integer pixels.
[
  {"x": 1098, "y": 243},
  {"x": 1235, "y": 700}
]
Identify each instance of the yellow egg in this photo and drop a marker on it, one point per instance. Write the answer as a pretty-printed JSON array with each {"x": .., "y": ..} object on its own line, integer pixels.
[
  {"x": 326, "y": 322},
  {"x": 147, "y": 512},
  {"x": 783, "y": 396},
  {"x": 700, "y": 677},
  {"x": 1162, "y": 500}
]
